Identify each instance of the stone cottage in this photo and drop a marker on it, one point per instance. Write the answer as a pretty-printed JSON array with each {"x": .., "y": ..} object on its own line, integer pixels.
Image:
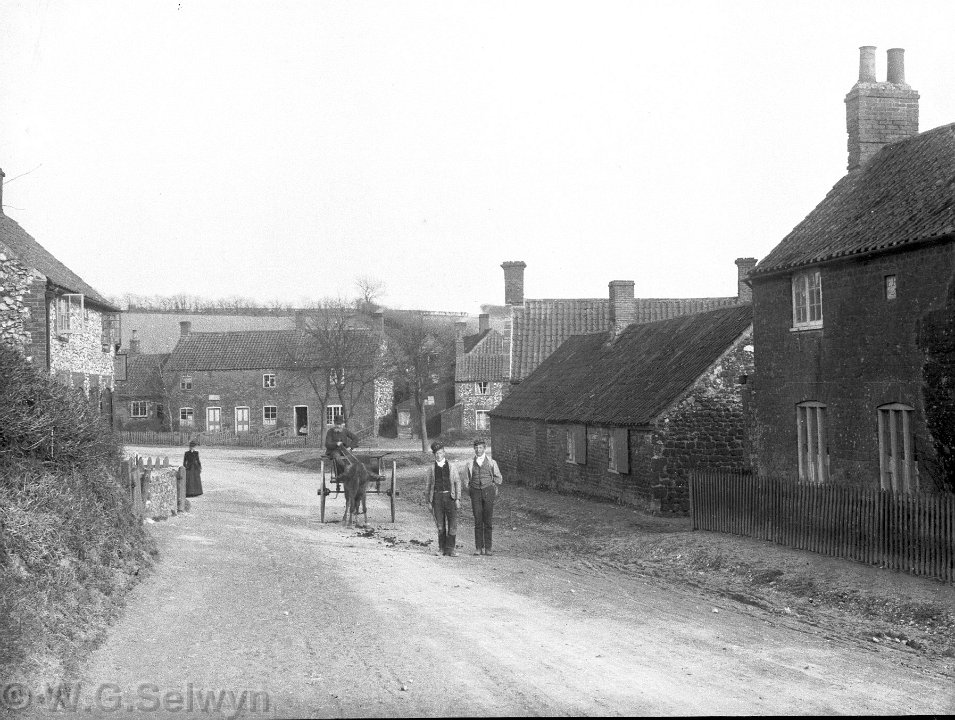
[
  {"x": 264, "y": 380},
  {"x": 53, "y": 316},
  {"x": 141, "y": 400},
  {"x": 854, "y": 308},
  {"x": 626, "y": 414},
  {"x": 480, "y": 375}
]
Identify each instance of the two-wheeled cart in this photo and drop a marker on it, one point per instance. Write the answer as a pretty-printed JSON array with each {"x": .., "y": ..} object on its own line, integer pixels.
[{"x": 375, "y": 462}]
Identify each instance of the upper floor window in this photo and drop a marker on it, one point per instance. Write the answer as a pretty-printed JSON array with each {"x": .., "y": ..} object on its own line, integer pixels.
[
  {"x": 69, "y": 314},
  {"x": 138, "y": 409},
  {"x": 481, "y": 387},
  {"x": 897, "y": 463},
  {"x": 268, "y": 380},
  {"x": 807, "y": 299},
  {"x": 813, "y": 445},
  {"x": 111, "y": 330},
  {"x": 185, "y": 382}
]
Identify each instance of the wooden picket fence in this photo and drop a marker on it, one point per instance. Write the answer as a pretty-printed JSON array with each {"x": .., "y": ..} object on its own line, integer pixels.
[
  {"x": 914, "y": 533},
  {"x": 148, "y": 437}
]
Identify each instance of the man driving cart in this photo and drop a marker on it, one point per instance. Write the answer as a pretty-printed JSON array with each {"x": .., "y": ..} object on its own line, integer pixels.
[{"x": 338, "y": 440}]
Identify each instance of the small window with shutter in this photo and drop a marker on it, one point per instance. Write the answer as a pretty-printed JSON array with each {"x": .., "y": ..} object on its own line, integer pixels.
[
  {"x": 618, "y": 450},
  {"x": 577, "y": 444}
]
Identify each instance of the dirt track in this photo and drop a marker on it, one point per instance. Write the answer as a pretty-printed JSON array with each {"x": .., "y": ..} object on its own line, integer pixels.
[{"x": 253, "y": 593}]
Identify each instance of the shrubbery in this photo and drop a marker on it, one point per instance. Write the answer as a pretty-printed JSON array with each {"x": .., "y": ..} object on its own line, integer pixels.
[{"x": 69, "y": 542}]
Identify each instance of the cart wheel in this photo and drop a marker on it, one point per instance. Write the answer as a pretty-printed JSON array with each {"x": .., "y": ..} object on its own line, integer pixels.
[
  {"x": 394, "y": 489},
  {"x": 322, "y": 491}
]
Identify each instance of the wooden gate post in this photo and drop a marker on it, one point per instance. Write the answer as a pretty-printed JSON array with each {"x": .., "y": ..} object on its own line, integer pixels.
[{"x": 181, "y": 489}]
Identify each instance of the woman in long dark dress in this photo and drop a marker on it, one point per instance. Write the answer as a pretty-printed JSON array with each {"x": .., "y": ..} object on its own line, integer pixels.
[{"x": 193, "y": 466}]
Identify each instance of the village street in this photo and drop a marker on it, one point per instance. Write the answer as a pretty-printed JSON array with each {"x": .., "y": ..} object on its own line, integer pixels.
[{"x": 252, "y": 593}]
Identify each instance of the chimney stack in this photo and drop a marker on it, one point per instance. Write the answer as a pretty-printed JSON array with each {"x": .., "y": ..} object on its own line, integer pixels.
[
  {"x": 744, "y": 266},
  {"x": 514, "y": 282},
  {"x": 185, "y": 327},
  {"x": 879, "y": 113},
  {"x": 460, "y": 327},
  {"x": 133, "y": 344},
  {"x": 623, "y": 308},
  {"x": 484, "y": 322}
]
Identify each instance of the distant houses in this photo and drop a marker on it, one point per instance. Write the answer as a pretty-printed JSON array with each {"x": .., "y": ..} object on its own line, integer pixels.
[
  {"x": 855, "y": 351},
  {"x": 57, "y": 320}
]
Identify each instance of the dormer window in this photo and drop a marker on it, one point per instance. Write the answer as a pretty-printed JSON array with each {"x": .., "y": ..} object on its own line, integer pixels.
[
  {"x": 69, "y": 314},
  {"x": 807, "y": 300}
]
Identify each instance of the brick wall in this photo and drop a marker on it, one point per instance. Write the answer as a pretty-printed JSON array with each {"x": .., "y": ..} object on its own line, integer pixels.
[
  {"x": 865, "y": 355},
  {"x": 706, "y": 428},
  {"x": 243, "y": 388}
]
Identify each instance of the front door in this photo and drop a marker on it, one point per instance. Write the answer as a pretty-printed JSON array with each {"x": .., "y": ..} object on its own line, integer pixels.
[
  {"x": 213, "y": 419},
  {"x": 301, "y": 420},
  {"x": 242, "y": 419}
]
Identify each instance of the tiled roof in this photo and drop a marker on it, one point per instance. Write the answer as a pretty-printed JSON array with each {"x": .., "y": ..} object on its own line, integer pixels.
[
  {"x": 240, "y": 350},
  {"x": 631, "y": 381},
  {"x": 34, "y": 255},
  {"x": 474, "y": 367},
  {"x": 142, "y": 376},
  {"x": 158, "y": 332},
  {"x": 471, "y": 340},
  {"x": 904, "y": 194},
  {"x": 540, "y": 326}
]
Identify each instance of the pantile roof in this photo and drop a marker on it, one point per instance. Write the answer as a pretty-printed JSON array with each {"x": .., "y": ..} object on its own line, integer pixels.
[
  {"x": 484, "y": 358},
  {"x": 628, "y": 382},
  {"x": 158, "y": 332},
  {"x": 34, "y": 255},
  {"x": 142, "y": 375},
  {"x": 237, "y": 350},
  {"x": 905, "y": 194},
  {"x": 540, "y": 326}
]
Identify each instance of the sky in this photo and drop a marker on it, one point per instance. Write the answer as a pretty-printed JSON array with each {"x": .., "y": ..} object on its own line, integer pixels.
[{"x": 280, "y": 150}]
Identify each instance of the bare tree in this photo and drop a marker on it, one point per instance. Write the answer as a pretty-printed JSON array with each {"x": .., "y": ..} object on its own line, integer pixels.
[
  {"x": 339, "y": 354},
  {"x": 421, "y": 352},
  {"x": 370, "y": 290}
]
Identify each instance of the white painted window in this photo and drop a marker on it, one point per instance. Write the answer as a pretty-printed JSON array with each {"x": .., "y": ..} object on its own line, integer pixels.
[
  {"x": 270, "y": 414},
  {"x": 186, "y": 416},
  {"x": 807, "y": 300},
  {"x": 185, "y": 382},
  {"x": 812, "y": 442},
  {"x": 333, "y": 414},
  {"x": 69, "y": 314},
  {"x": 481, "y": 420},
  {"x": 138, "y": 409},
  {"x": 481, "y": 387},
  {"x": 890, "y": 287},
  {"x": 897, "y": 464},
  {"x": 268, "y": 380}
]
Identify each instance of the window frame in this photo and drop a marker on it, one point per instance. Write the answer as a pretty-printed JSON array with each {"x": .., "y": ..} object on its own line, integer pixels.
[
  {"x": 64, "y": 314},
  {"x": 187, "y": 416},
  {"x": 330, "y": 416},
  {"x": 576, "y": 444},
  {"x": 487, "y": 420},
  {"x": 896, "y": 419},
  {"x": 138, "y": 404},
  {"x": 275, "y": 419},
  {"x": 479, "y": 390},
  {"x": 812, "y": 430},
  {"x": 618, "y": 450},
  {"x": 801, "y": 289},
  {"x": 890, "y": 287},
  {"x": 266, "y": 383},
  {"x": 185, "y": 382}
]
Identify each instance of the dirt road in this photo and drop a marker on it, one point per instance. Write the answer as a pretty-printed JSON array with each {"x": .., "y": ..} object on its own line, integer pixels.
[{"x": 253, "y": 596}]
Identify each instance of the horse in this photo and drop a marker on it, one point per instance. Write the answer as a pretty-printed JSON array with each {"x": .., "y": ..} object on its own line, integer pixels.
[{"x": 354, "y": 480}]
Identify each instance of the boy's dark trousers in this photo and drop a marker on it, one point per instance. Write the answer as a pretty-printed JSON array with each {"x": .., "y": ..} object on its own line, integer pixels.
[
  {"x": 482, "y": 504},
  {"x": 446, "y": 518}
]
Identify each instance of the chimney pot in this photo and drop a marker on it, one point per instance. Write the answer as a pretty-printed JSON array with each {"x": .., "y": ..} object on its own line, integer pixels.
[
  {"x": 185, "y": 327},
  {"x": 514, "y": 282},
  {"x": 744, "y": 266},
  {"x": 867, "y": 64},
  {"x": 484, "y": 322},
  {"x": 896, "y": 66}
]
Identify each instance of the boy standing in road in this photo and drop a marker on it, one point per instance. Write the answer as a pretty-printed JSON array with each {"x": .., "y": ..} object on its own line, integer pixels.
[
  {"x": 484, "y": 480},
  {"x": 443, "y": 494}
]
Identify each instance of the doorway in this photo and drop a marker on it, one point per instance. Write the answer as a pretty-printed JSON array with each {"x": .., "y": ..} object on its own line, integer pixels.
[
  {"x": 213, "y": 419},
  {"x": 242, "y": 420},
  {"x": 301, "y": 420}
]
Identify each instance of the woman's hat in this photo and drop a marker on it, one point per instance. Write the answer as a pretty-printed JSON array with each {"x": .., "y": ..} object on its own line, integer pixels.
[{"x": 437, "y": 445}]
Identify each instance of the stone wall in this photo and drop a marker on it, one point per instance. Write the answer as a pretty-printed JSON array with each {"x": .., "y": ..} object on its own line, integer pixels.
[
  {"x": 866, "y": 355},
  {"x": 78, "y": 359},
  {"x": 22, "y": 308},
  {"x": 160, "y": 496},
  {"x": 471, "y": 401},
  {"x": 704, "y": 429}
]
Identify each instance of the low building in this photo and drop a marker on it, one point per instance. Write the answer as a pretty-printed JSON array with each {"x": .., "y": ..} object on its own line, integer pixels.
[
  {"x": 480, "y": 375},
  {"x": 628, "y": 414},
  {"x": 56, "y": 319}
]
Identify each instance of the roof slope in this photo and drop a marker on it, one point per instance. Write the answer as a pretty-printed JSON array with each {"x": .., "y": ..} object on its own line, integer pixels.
[
  {"x": 631, "y": 381},
  {"x": 904, "y": 194},
  {"x": 143, "y": 377},
  {"x": 484, "y": 358},
  {"x": 540, "y": 326},
  {"x": 34, "y": 255},
  {"x": 238, "y": 350},
  {"x": 158, "y": 332}
]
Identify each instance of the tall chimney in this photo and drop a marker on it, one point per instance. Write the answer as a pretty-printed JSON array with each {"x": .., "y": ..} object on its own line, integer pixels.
[
  {"x": 484, "y": 322},
  {"x": 744, "y": 266},
  {"x": 514, "y": 282},
  {"x": 133, "y": 344},
  {"x": 623, "y": 308},
  {"x": 879, "y": 113},
  {"x": 460, "y": 327},
  {"x": 185, "y": 327}
]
